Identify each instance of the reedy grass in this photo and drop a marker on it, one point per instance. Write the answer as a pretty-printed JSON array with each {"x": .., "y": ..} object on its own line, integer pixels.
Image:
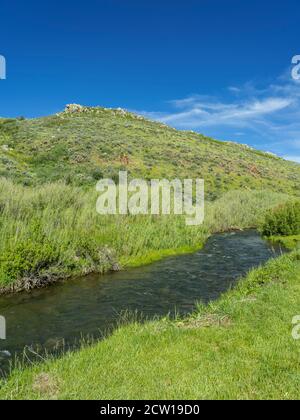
[{"x": 55, "y": 231}]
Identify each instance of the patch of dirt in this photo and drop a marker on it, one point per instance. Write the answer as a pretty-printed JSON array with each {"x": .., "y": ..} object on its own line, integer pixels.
[
  {"x": 29, "y": 283},
  {"x": 206, "y": 321},
  {"x": 46, "y": 385},
  {"x": 249, "y": 299}
]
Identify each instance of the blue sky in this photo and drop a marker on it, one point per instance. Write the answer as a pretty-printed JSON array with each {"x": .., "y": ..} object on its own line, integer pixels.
[{"x": 219, "y": 67}]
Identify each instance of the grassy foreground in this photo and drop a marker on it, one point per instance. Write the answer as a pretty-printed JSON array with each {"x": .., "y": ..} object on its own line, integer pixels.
[{"x": 239, "y": 347}]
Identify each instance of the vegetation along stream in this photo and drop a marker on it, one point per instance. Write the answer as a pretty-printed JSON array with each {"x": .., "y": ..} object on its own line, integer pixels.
[{"x": 59, "y": 316}]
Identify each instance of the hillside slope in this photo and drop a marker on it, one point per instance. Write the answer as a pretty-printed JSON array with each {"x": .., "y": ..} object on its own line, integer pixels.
[{"x": 81, "y": 145}]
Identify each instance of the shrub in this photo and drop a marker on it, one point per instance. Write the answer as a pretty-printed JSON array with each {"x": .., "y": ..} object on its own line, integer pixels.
[
  {"x": 27, "y": 258},
  {"x": 283, "y": 220}
]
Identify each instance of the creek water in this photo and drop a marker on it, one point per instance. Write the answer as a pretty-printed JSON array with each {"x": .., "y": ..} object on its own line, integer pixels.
[{"x": 62, "y": 314}]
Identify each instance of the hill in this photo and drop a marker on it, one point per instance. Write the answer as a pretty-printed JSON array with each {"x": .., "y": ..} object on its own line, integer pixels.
[
  {"x": 49, "y": 227},
  {"x": 82, "y": 145}
]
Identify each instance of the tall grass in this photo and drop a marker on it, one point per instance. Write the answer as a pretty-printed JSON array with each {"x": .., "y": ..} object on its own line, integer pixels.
[
  {"x": 284, "y": 220},
  {"x": 55, "y": 231}
]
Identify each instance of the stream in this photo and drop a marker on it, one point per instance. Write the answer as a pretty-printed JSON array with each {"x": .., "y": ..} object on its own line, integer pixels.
[{"x": 58, "y": 317}]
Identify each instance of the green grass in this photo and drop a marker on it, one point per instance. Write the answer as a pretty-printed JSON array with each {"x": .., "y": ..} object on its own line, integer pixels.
[
  {"x": 282, "y": 224},
  {"x": 53, "y": 231},
  {"x": 284, "y": 220},
  {"x": 239, "y": 347},
  {"x": 289, "y": 242}
]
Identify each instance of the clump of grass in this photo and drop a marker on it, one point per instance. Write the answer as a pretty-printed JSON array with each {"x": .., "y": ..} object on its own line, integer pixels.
[
  {"x": 288, "y": 242},
  {"x": 284, "y": 220}
]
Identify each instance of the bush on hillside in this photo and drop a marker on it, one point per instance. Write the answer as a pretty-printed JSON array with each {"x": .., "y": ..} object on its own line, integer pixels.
[{"x": 283, "y": 220}]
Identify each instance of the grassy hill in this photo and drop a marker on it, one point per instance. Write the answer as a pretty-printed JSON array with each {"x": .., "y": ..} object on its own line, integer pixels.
[
  {"x": 81, "y": 145},
  {"x": 49, "y": 227}
]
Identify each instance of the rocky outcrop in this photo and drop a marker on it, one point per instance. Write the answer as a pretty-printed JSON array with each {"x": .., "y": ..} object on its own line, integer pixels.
[
  {"x": 80, "y": 109},
  {"x": 74, "y": 108}
]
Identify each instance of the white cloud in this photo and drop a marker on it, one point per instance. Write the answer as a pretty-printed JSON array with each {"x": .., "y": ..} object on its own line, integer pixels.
[
  {"x": 268, "y": 117},
  {"x": 198, "y": 114},
  {"x": 292, "y": 158}
]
